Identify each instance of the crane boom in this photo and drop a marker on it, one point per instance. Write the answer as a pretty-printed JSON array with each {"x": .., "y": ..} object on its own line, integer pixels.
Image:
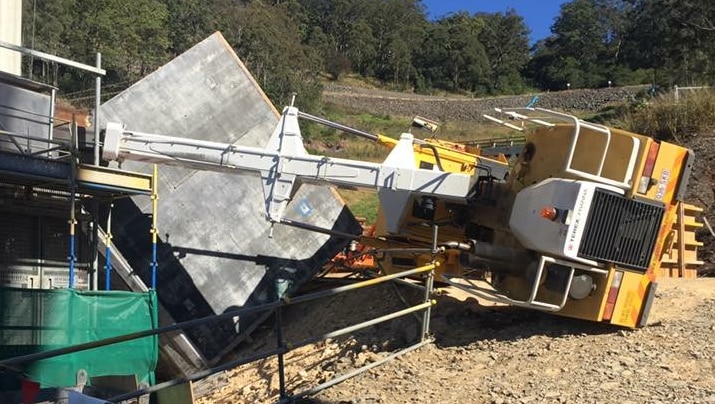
[
  {"x": 285, "y": 160},
  {"x": 566, "y": 229}
]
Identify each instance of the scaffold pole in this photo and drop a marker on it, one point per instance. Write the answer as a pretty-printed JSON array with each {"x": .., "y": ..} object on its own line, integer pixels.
[
  {"x": 154, "y": 230},
  {"x": 108, "y": 250}
]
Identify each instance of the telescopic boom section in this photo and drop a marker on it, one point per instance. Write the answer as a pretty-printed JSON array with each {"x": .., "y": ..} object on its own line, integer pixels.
[{"x": 285, "y": 160}]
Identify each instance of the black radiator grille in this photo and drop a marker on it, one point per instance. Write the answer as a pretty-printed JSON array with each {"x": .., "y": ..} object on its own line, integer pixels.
[{"x": 621, "y": 230}]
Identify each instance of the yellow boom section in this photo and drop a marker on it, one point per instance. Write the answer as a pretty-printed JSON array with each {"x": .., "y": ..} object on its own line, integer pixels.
[{"x": 447, "y": 156}]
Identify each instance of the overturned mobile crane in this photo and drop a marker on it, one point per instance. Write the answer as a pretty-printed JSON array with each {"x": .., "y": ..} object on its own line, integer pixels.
[{"x": 576, "y": 226}]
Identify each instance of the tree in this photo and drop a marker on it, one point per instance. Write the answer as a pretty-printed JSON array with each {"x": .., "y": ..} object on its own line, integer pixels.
[
  {"x": 584, "y": 49},
  {"x": 398, "y": 27},
  {"x": 188, "y": 22},
  {"x": 673, "y": 38},
  {"x": 452, "y": 55},
  {"x": 505, "y": 37},
  {"x": 44, "y": 29},
  {"x": 581, "y": 41},
  {"x": 348, "y": 42},
  {"x": 269, "y": 40},
  {"x": 132, "y": 37}
]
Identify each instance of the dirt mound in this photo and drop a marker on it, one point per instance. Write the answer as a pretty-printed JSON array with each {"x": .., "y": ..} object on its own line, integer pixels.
[{"x": 701, "y": 192}]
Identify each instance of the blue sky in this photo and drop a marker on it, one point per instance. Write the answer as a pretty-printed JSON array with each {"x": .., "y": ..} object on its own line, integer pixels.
[{"x": 538, "y": 14}]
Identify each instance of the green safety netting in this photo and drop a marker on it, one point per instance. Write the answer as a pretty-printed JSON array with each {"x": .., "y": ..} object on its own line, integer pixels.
[{"x": 33, "y": 320}]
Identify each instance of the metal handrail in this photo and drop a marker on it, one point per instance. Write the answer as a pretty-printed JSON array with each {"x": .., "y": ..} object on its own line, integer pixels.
[
  {"x": 354, "y": 373},
  {"x": 33, "y": 138},
  {"x": 53, "y": 58},
  {"x": 96, "y": 70},
  {"x": 208, "y": 319},
  {"x": 531, "y": 302},
  {"x": 627, "y": 181},
  {"x": 597, "y": 177}
]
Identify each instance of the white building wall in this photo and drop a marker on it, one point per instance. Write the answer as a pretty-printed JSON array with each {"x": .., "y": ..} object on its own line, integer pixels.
[{"x": 11, "y": 31}]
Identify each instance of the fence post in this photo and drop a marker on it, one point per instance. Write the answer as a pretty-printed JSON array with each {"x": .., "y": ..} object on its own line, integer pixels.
[
  {"x": 280, "y": 344},
  {"x": 429, "y": 285},
  {"x": 97, "y": 104}
]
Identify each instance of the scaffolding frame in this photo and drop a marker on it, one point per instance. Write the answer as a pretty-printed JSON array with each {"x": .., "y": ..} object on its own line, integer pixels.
[
  {"x": 59, "y": 150},
  {"x": 98, "y": 72}
]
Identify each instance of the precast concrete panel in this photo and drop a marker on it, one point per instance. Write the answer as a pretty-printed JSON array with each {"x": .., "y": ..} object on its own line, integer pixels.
[{"x": 215, "y": 252}]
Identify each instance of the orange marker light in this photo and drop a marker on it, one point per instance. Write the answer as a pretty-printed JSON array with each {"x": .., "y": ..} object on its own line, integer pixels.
[{"x": 549, "y": 212}]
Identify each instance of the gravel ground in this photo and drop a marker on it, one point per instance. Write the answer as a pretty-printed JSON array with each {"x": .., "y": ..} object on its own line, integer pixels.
[
  {"x": 495, "y": 354},
  {"x": 530, "y": 357}
]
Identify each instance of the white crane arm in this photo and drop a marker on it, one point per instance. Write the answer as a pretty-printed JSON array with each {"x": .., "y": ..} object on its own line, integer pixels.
[{"x": 285, "y": 159}]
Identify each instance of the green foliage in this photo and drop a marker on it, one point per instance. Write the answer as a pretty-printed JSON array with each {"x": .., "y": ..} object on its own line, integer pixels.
[
  {"x": 286, "y": 44},
  {"x": 454, "y": 58},
  {"x": 673, "y": 38},
  {"x": 663, "y": 42},
  {"x": 268, "y": 39},
  {"x": 78, "y": 29},
  {"x": 373, "y": 38},
  {"x": 362, "y": 203},
  {"x": 577, "y": 54},
  {"x": 188, "y": 23},
  {"x": 506, "y": 42}
]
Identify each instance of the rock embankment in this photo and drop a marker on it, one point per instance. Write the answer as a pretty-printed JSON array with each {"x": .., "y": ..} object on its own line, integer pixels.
[{"x": 470, "y": 109}]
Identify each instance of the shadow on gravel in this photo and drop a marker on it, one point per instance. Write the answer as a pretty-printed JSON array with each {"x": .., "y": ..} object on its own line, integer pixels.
[
  {"x": 453, "y": 322},
  {"x": 460, "y": 323}
]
